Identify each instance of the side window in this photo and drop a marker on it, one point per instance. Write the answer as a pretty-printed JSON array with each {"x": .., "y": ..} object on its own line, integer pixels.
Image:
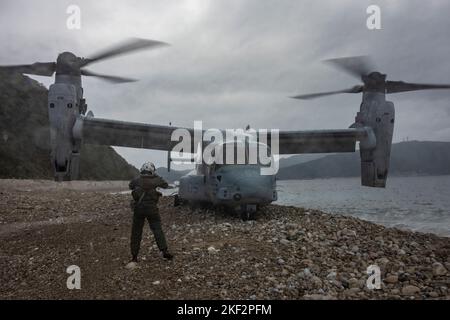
[
  {"x": 52, "y": 105},
  {"x": 69, "y": 105}
]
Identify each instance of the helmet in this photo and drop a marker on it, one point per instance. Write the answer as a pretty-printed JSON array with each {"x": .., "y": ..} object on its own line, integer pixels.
[{"x": 148, "y": 168}]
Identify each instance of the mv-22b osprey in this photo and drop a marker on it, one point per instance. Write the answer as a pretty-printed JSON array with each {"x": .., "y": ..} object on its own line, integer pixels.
[{"x": 235, "y": 186}]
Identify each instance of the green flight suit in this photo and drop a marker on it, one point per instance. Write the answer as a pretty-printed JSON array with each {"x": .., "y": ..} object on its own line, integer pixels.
[{"x": 145, "y": 207}]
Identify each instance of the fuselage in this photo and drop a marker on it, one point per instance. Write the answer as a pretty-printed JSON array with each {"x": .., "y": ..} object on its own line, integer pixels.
[{"x": 231, "y": 185}]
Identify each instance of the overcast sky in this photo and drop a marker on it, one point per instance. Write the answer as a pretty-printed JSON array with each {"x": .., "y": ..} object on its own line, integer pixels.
[{"x": 233, "y": 63}]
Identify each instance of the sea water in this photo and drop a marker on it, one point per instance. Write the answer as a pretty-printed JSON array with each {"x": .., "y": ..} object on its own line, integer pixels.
[{"x": 415, "y": 203}]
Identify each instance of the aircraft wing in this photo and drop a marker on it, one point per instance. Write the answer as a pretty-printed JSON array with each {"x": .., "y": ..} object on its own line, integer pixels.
[
  {"x": 148, "y": 136},
  {"x": 320, "y": 141},
  {"x": 126, "y": 134}
]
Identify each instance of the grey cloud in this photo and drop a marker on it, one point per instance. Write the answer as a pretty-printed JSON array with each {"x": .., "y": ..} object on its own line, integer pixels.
[{"x": 236, "y": 62}]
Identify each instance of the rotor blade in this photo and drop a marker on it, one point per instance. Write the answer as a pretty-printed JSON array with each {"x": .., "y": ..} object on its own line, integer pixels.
[
  {"x": 38, "y": 68},
  {"x": 357, "y": 66},
  {"x": 400, "y": 86},
  {"x": 112, "y": 79},
  {"x": 355, "y": 89},
  {"x": 130, "y": 45}
]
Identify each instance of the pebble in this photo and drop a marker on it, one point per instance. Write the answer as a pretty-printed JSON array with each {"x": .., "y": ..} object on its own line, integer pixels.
[
  {"x": 131, "y": 265},
  {"x": 332, "y": 275},
  {"x": 410, "y": 290},
  {"x": 307, "y": 272},
  {"x": 351, "y": 292},
  {"x": 306, "y": 262},
  {"x": 318, "y": 256},
  {"x": 318, "y": 297},
  {"x": 212, "y": 250},
  {"x": 391, "y": 278},
  {"x": 383, "y": 261},
  {"x": 403, "y": 277},
  {"x": 353, "y": 283},
  {"x": 316, "y": 281},
  {"x": 395, "y": 291},
  {"x": 439, "y": 269}
]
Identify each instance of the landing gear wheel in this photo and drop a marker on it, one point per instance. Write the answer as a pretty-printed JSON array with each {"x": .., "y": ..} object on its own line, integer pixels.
[
  {"x": 176, "y": 201},
  {"x": 244, "y": 215},
  {"x": 248, "y": 212}
]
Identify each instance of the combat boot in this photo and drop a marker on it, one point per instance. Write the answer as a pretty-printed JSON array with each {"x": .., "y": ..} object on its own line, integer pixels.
[{"x": 167, "y": 255}]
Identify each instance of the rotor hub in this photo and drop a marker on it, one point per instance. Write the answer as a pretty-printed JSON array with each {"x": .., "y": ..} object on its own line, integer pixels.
[
  {"x": 374, "y": 82},
  {"x": 68, "y": 63}
]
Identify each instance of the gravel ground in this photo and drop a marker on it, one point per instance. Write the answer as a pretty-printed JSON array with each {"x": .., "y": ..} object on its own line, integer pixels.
[{"x": 287, "y": 253}]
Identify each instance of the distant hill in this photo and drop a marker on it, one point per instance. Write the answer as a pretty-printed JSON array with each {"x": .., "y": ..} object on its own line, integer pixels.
[
  {"x": 172, "y": 175},
  {"x": 24, "y": 137},
  {"x": 407, "y": 158},
  {"x": 300, "y": 158},
  {"x": 175, "y": 175}
]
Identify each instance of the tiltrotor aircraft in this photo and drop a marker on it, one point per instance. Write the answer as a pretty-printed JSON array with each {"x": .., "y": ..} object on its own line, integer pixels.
[{"x": 236, "y": 186}]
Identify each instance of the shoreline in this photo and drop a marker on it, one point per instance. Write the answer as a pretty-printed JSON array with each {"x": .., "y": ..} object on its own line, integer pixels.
[
  {"x": 358, "y": 177},
  {"x": 121, "y": 187},
  {"x": 287, "y": 253}
]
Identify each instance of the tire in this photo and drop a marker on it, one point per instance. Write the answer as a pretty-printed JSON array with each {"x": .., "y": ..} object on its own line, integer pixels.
[
  {"x": 176, "y": 201},
  {"x": 247, "y": 213},
  {"x": 244, "y": 215}
]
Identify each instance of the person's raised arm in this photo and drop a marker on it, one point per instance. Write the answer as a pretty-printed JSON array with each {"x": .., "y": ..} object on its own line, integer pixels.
[{"x": 162, "y": 183}]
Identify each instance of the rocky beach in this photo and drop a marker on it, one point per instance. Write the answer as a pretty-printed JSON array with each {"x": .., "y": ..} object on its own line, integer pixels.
[{"x": 286, "y": 253}]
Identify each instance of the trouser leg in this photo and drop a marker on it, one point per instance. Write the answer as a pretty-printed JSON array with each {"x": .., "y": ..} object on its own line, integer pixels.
[
  {"x": 154, "y": 221},
  {"x": 136, "y": 234}
]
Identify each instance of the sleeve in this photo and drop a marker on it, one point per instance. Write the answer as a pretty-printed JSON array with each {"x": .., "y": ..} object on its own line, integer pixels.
[
  {"x": 162, "y": 183},
  {"x": 133, "y": 183}
]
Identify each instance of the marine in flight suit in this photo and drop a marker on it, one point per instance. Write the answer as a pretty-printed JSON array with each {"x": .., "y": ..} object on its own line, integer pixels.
[{"x": 145, "y": 207}]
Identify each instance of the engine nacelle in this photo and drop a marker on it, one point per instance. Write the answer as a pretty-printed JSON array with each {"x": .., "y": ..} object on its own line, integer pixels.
[
  {"x": 378, "y": 114},
  {"x": 65, "y": 150}
]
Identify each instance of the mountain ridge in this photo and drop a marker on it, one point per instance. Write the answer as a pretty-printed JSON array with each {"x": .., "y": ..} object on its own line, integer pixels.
[
  {"x": 410, "y": 158},
  {"x": 25, "y": 136},
  {"x": 407, "y": 158}
]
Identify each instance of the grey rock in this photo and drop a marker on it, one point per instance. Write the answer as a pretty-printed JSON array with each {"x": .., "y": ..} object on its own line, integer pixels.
[
  {"x": 410, "y": 290},
  {"x": 318, "y": 297},
  {"x": 353, "y": 283},
  {"x": 439, "y": 269},
  {"x": 316, "y": 281},
  {"x": 332, "y": 275},
  {"x": 392, "y": 278}
]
